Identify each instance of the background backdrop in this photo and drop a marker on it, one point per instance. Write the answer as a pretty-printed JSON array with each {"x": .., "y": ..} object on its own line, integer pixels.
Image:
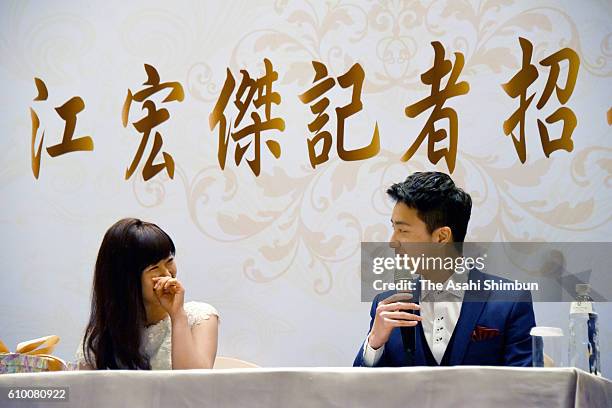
[{"x": 278, "y": 254}]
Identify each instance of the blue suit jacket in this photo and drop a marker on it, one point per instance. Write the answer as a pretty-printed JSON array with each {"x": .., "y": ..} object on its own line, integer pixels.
[{"x": 509, "y": 312}]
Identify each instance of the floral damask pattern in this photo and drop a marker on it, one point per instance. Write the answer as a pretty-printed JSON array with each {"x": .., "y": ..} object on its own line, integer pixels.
[{"x": 315, "y": 215}]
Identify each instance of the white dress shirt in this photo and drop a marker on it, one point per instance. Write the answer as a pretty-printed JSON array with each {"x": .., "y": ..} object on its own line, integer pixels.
[{"x": 440, "y": 310}]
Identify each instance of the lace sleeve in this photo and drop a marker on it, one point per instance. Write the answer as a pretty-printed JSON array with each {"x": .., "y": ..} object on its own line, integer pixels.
[
  {"x": 80, "y": 358},
  {"x": 197, "y": 312}
]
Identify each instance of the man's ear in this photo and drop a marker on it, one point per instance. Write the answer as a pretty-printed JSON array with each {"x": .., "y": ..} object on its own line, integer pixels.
[{"x": 443, "y": 235}]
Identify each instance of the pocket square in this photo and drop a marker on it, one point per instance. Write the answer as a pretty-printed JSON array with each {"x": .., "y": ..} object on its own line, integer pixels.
[{"x": 484, "y": 333}]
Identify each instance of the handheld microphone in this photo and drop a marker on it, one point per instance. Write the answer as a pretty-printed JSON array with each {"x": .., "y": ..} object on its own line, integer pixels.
[{"x": 408, "y": 333}]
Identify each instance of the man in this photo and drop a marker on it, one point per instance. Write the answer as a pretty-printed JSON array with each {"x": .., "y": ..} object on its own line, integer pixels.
[{"x": 446, "y": 327}]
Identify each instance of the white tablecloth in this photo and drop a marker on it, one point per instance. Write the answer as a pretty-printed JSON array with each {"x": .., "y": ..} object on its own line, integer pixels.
[{"x": 327, "y": 387}]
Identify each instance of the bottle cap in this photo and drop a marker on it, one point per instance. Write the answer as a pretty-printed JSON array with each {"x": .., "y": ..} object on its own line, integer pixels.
[{"x": 582, "y": 288}]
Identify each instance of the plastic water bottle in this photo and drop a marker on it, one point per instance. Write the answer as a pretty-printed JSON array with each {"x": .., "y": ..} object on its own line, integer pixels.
[{"x": 583, "y": 332}]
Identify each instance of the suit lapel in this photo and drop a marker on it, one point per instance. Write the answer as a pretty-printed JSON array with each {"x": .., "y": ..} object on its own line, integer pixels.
[
  {"x": 471, "y": 310},
  {"x": 420, "y": 344}
]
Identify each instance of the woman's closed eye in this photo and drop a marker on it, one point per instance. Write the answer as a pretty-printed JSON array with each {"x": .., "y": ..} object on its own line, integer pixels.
[{"x": 164, "y": 273}]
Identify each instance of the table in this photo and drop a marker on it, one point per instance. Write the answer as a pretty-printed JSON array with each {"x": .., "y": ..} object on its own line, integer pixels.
[{"x": 311, "y": 387}]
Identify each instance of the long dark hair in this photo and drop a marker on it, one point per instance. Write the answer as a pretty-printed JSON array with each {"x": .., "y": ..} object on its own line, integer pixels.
[{"x": 118, "y": 315}]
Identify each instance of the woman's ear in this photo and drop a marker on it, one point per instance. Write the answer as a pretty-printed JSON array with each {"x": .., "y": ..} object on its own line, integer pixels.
[{"x": 443, "y": 235}]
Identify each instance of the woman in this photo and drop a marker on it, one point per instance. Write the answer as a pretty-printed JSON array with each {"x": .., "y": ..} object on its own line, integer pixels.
[{"x": 138, "y": 316}]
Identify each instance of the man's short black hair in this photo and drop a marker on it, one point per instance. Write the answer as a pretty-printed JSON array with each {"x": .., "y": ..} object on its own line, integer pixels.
[{"x": 437, "y": 200}]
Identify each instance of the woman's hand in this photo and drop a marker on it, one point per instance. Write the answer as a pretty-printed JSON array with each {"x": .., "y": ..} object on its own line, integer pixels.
[{"x": 171, "y": 295}]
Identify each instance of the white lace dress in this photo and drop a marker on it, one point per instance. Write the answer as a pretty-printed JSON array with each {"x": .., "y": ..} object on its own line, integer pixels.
[{"x": 157, "y": 338}]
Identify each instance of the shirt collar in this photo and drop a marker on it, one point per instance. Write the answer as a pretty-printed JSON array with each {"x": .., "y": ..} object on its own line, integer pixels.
[{"x": 455, "y": 278}]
